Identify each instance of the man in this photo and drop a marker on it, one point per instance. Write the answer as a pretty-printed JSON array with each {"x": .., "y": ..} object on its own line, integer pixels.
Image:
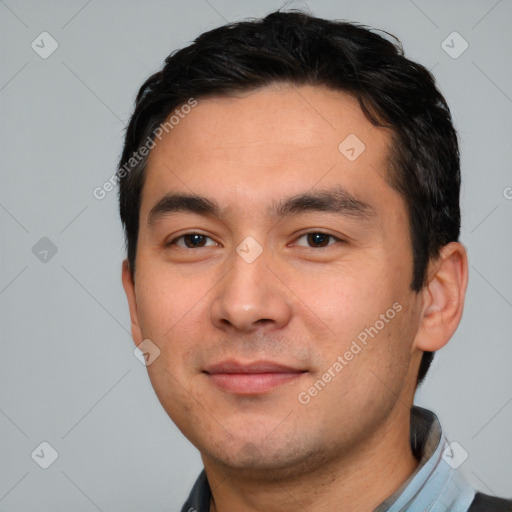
[{"x": 289, "y": 189}]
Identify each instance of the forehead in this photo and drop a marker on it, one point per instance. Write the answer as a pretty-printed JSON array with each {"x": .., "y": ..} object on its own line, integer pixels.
[{"x": 263, "y": 145}]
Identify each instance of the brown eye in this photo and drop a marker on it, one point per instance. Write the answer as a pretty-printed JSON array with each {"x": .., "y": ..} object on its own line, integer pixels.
[
  {"x": 318, "y": 240},
  {"x": 192, "y": 241}
]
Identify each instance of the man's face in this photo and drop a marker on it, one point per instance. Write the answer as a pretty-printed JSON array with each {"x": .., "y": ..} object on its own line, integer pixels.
[{"x": 253, "y": 309}]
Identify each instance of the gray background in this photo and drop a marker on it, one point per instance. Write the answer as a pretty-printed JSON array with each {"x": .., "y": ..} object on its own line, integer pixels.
[{"x": 68, "y": 374}]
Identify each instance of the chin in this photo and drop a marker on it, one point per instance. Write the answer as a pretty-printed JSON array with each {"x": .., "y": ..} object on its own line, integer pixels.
[
  {"x": 259, "y": 453},
  {"x": 253, "y": 463}
]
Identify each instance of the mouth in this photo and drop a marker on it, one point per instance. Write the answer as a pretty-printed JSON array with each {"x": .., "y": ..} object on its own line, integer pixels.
[{"x": 252, "y": 378}]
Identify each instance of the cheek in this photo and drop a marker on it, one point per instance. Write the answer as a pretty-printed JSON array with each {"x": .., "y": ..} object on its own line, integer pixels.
[
  {"x": 371, "y": 326},
  {"x": 347, "y": 297},
  {"x": 376, "y": 361},
  {"x": 166, "y": 301},
  {"x": 174, "y": 313},
  {"x": 387, "y": 356}
]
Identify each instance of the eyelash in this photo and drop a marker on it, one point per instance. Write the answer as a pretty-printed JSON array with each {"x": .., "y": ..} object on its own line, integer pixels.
[{"x": 173, "y": 242}]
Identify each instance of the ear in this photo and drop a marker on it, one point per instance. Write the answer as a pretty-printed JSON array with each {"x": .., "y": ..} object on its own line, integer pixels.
[
  {"x": 129, "y": 289},
  {"x": 443, "y": 298}
]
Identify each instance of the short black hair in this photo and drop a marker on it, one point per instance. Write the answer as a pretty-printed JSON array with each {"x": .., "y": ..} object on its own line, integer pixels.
[{"x": 296, "y": 48}]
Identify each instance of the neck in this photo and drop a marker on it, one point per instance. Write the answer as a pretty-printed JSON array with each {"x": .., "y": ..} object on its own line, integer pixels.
[{"x": 359, "y": 480}]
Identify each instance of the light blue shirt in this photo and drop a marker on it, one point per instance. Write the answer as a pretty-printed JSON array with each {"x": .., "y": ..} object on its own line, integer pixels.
[{"x": 436, "y": 485}]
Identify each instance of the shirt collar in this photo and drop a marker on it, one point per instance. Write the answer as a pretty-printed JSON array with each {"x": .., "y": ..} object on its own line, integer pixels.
[{"x": 435, "y": 485}]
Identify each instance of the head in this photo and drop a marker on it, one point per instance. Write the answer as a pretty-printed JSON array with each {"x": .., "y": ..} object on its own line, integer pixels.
[{"x": 316, "y": 147}]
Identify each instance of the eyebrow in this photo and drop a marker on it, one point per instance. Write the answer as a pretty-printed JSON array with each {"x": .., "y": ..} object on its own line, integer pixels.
[
  {"x": 181, "y": 203},
  {"x": 334, "y": 200}
]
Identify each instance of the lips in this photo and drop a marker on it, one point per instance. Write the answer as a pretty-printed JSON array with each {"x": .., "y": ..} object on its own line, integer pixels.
[{"x": 252, "y": 378}]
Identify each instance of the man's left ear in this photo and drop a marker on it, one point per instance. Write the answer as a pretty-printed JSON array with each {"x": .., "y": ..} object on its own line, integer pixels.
[{"x": 443, "y": 298}]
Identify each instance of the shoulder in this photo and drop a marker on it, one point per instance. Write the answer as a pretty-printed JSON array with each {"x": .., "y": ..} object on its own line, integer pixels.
[
  {"x": 199, "y": 499},
  {"x": 486, "y": 503}
]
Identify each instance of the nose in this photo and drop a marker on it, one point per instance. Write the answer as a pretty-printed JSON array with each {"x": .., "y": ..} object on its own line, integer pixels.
[{"x": 251, "y": 296}]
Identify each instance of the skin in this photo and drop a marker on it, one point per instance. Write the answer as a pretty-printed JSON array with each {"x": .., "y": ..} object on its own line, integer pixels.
[{"x": 298, "y": 303}]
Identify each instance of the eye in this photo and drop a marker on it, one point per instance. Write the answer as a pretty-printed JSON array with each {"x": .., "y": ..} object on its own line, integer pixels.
[
  {"x": 192, "y": 241},
  {"x": 318, "y": 239}
]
